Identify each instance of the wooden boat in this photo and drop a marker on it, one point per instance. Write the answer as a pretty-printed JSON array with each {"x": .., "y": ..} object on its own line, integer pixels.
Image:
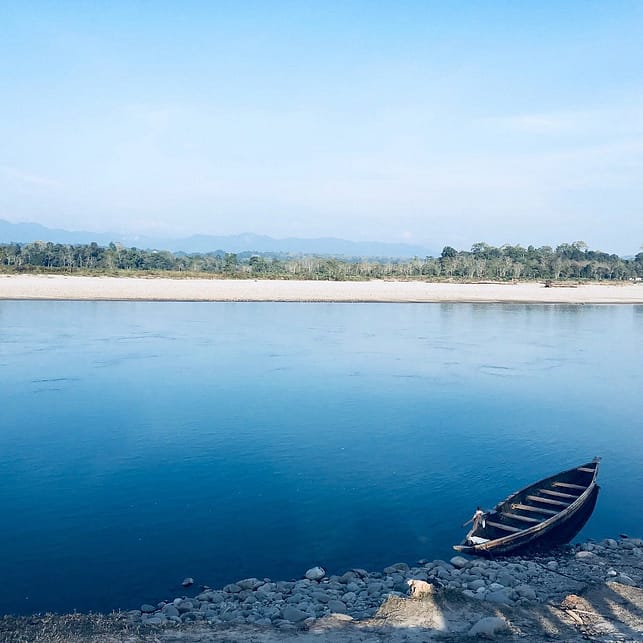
[{"x": 547, "y": 513}]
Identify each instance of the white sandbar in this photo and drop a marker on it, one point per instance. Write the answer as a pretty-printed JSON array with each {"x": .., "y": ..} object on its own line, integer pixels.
[{"x": 160, "y": 289}]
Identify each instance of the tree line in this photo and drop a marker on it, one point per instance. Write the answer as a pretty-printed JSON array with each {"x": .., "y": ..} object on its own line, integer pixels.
[{"x": 568, "y": 261}]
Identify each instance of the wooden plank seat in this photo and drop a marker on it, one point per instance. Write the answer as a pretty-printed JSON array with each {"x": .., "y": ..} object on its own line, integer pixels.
[
  {"x": 506, "y": 514},
  {"x": 536, "y": 510},
  {"x": 557, "y": 494},
  {"x": 569, "y": 485},
  {"x": 585, "y": 469},
  {"x": 499, "y": 525},
  {"x": 548, "y": 501}
]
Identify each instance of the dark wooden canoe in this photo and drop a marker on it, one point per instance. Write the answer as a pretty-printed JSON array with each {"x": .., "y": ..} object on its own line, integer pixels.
[{"x": 547, "y": 513}]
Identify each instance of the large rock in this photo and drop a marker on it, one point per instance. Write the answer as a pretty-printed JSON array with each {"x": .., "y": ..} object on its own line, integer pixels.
[
  {"x": 148, "y": 609},
  {"x": 315, "y": 573},
  {"x": 488, "y": 627}
]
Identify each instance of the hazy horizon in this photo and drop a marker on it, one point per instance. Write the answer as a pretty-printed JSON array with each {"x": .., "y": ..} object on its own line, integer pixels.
[{"x": 412, "y": 122}]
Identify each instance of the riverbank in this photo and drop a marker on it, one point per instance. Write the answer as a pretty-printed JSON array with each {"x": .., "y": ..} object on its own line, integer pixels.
[
  {"x": 591, "y": 591},
  {"x": 58, "y": 287}
]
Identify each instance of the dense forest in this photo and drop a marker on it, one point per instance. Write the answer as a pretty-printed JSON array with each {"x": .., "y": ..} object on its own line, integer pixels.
[{"x": 566, "y": 262}]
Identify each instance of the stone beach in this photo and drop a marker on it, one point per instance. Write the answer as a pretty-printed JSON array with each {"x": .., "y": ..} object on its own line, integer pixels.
[{"x": 591, "y": 591}]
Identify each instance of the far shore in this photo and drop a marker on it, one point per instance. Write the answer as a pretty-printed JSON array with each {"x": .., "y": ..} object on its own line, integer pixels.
[{"x": 59, "y": 287}]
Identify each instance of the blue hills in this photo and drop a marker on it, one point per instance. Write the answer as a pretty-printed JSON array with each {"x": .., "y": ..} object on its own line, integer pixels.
[{"x": 200, "y": 243}]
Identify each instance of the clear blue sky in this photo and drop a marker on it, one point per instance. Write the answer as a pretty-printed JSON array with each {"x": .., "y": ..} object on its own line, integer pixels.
[{"x": 431, "y": 122}]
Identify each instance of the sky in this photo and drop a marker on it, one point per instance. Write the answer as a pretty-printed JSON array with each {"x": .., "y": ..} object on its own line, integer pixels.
[{"x": 428, "y": 122}]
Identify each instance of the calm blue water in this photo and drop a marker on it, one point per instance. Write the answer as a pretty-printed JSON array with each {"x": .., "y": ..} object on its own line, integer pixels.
[{"x": 144, "y": 442}]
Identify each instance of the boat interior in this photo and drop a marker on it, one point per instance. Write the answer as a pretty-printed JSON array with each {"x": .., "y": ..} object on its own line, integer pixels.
[{"x": 534, "y": 505}]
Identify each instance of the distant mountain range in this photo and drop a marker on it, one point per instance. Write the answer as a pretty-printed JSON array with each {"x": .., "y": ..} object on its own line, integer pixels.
[{"x": 28, "y": 232}]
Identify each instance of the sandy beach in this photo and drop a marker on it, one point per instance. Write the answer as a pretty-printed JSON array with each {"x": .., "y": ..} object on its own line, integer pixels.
[{"x": 58, "y": 287}]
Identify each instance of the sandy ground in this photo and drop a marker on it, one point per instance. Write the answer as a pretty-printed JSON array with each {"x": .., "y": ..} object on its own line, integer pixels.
[{"x": 160, "y": 289}]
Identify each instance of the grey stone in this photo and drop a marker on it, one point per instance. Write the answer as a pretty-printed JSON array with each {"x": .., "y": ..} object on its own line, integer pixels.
[
  {"x": 322, "y": 597},
  {"x": 585, "y": 555},
  {"x": 552, "y": 565},
  {"x": 347, "y": 577},
  {"x": 315, "y": 573},
  {"x": 499, "y": 596},
  {"x": 148, "y": 609},
  {"x": 338, "y": 607},
  {"x": 476, "y": 584},
  {"x": 170, "y": 610},
  {"x": 154, "y": 620},
  {"x": 232, "y": 588},
  {"x": 284, "y": 586},
  {"x": 459, "y": 562},
  {"x": 624, "y": 579},
  {"x": 249, "y": 583},
  {"x": 488, "y": 627},
  {"x": 375, "y": 588},
  {"x": 526, "y": 591},
  {"x": 185, "y": 606},
  {"x": 205, "y": 596},
  {"x": 187, "y": 582},
  {"x": 506, "y": 580},
  {"x": 396, "y": 567},
  {"x": 293, "y": 614}
]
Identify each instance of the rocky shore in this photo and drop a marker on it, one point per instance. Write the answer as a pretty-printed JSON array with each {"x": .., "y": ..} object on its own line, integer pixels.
[{"x": 590, "y": 591}]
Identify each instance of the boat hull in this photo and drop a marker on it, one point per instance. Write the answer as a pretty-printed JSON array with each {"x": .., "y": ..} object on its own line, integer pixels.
[
  {"x": 543, "y": 515},
  {"x": 559, "y": 534}
]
